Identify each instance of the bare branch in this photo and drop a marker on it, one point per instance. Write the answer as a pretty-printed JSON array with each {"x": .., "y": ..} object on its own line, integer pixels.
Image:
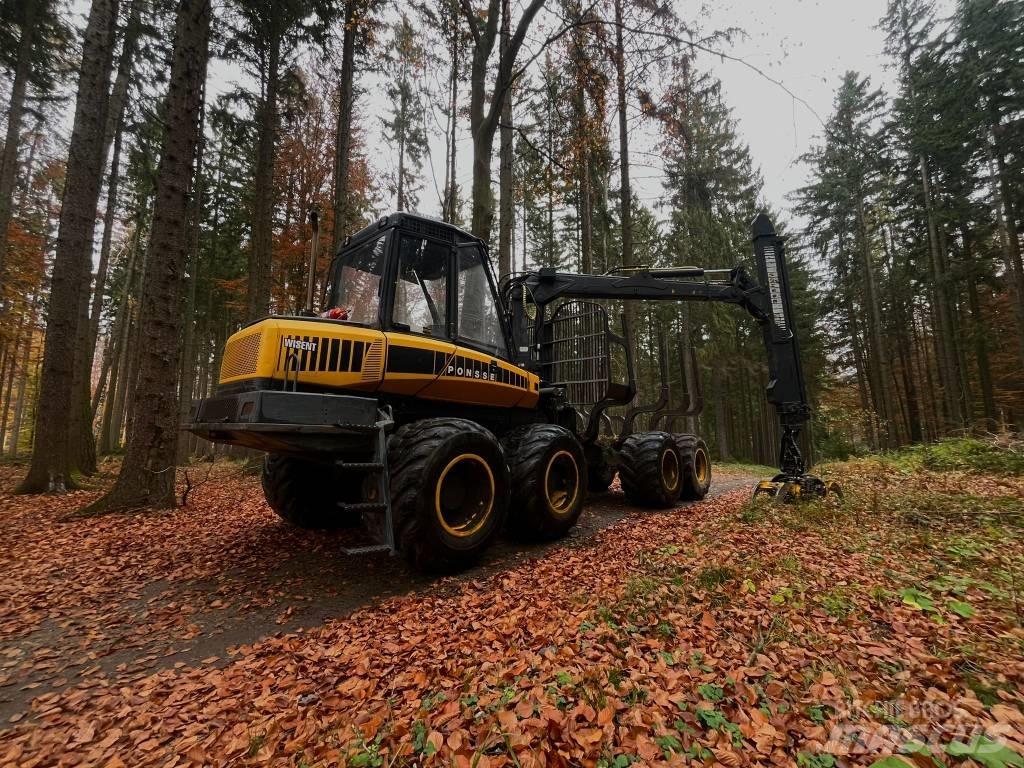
[
  {"x": 467, "y": 9},
  {"x": 534, "y": 147}
]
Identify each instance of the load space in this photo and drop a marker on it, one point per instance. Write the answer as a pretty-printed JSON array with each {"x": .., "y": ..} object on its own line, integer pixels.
[{"x": 435, "y": 410}]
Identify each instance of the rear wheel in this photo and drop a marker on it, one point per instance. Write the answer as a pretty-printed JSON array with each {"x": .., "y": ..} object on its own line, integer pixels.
[
  {"x": 651, "y": 470},
  {"x": 449, "y": 491},
  {"x": 307, "y": 493},
  {"x": 549, "y": 478},
  {"x": 696, "y": 467}
]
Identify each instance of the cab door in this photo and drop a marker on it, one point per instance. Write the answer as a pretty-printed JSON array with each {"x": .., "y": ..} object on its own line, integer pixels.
[
  {"x": 419, "y": 324},
  {"x": 478, "y": 371}
]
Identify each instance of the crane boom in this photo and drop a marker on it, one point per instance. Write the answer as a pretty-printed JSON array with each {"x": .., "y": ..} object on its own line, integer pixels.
[{"x": 768, "y": 299}]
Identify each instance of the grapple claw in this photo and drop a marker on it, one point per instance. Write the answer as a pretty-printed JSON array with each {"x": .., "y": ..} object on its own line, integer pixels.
[{"x": 786, "y": 488}]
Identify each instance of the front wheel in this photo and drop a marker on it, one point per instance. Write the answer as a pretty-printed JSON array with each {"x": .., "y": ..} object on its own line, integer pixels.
[
  {"x": 549, "y": 478},
  {"x": 449, "y": 492},
  {"x": 652, "y": 469}
]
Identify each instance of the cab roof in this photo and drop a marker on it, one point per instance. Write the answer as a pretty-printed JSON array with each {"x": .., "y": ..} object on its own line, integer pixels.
[{"x": 417, "y": 224}]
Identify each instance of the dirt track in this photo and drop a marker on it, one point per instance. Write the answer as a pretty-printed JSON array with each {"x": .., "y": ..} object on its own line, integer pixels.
[{"x": 133, "y": 622}]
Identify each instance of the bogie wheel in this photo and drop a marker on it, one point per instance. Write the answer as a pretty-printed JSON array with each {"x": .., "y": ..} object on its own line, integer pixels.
[
  {"x": 449, "y": 492},
  {"x": 652, "y": 469},
  {"x": 549, "y": 480},
  {"x": 307, "y": 493},
  {"x": 696, "y": 467}
]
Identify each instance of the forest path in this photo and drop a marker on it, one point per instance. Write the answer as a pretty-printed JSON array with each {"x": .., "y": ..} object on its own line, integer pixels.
[{"x": 112, "y": 600}]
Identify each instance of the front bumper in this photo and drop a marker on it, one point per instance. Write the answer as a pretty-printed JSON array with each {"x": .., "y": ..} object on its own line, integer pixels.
[{"x": 286, "y": 422}]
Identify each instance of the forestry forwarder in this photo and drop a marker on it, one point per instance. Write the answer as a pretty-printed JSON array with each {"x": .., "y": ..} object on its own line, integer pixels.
[{"x": 430, "y": 407}]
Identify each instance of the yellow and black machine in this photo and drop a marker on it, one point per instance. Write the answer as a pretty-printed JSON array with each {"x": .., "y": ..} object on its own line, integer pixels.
[{"x": 436, "y": 408}]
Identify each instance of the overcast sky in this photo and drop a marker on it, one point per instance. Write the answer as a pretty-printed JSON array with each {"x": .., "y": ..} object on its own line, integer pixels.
[{"x": 808, "y": 45}]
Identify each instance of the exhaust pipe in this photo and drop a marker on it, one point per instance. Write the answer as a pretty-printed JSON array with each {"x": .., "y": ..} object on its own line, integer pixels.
[{"x": 314, "y": 248}]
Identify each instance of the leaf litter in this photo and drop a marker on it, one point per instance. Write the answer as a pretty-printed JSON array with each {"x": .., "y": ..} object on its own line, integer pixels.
[{"x": 723, "y": 633}]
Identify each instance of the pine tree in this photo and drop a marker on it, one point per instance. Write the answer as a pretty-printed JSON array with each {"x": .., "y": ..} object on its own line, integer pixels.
[
  {"x": 52, "y": 467},
  {"x": 404, "y": 129},
  {"x": 148, "y": 473},
  {"x": 848, "y": 179}
]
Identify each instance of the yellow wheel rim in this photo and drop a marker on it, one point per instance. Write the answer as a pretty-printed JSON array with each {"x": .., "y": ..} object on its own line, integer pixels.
[
  {"x": 701, "y": 466},
  {"x": 464, "y": 495},
  {"x": 670, "y": 469},
  {"x": 562, "y": 482}
]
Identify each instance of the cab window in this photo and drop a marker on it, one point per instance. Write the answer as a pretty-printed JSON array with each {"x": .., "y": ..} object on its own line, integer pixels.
[
  {"x": 421, "y": 290},
  {"x": 479, "y": 320},
  {"x": 355, "y": 281}
]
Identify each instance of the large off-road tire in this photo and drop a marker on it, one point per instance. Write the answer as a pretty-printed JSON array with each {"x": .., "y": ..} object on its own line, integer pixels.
[
  {"x": 549, "y": 480},
  {"x": 307, "y": 493},
  {"x": 652, "y": 469},
  {"x": 696, "y": 467},
  {"x": 449, "y": 492}
]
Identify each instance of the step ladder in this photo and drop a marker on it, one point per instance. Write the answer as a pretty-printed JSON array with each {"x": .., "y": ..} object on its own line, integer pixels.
[{"x": 376, "y": 515}]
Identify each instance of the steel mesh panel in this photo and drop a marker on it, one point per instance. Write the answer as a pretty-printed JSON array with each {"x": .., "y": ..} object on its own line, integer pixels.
[{"x": 578, "y": 351}]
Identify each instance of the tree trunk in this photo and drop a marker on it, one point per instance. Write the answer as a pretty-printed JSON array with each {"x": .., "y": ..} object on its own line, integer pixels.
[
  {"x": 483, "y": 147},
  {"x": 625, "y": 191},
  {"x": 549, "y": 184},
  {"x": 51, "y": 468},
  {"x": 403, "y": 109},
  {"x": 904, "y": 319},
  {"x": 80, "y": 423},
  {"x": 19, "y": 406},
  {"x": 188, "y": 357},
  {"x": 261, "y": 253},
  {"x": 626, "y": 196},
  {"x": 860, "y": 366},
  {"x": 946, "y": 356},
  {"x": 113, "y": 136},
  {"x": 879, "y": 369},
  {"x": 484, "y": 112},
  {"x": 721, "y": 416},
  {"x": 1008, "y": 221},
  {"x": 343, "y": 137},
  {"x": 9, "y": 164},
  {"x": 114, "y": 404},
  {"x": 147, "y": 476},
  {"x": 7, "y": 377},
  {"x": 81, "y": 445},
  {"x": 979, "y": 336},
  {"x": 448, "y": 207},
  {"x": 505, "y": 210},
  {"x": 582, "y": 140}
]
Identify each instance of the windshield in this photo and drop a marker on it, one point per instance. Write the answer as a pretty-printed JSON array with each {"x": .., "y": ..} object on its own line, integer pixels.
[
  {"x": 421, "y": 292},
  {"x": 355, "y": 281}
]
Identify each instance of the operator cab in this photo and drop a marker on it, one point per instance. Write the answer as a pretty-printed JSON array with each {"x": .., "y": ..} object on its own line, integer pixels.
[{"x": 413, "y": 275}]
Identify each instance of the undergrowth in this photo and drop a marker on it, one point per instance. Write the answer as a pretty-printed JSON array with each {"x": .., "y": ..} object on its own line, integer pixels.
[{"x": 965, "y": 454}]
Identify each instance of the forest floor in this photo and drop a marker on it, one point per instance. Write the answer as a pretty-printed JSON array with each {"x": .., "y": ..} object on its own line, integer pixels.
[{"x": 721, "y": 632}]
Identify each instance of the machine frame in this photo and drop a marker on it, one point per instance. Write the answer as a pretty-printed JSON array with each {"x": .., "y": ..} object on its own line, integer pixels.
[{"x": 346, "y": 403}]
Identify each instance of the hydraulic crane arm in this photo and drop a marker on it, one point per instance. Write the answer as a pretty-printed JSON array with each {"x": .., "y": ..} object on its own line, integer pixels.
[{"x": 768, "y": 300}]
